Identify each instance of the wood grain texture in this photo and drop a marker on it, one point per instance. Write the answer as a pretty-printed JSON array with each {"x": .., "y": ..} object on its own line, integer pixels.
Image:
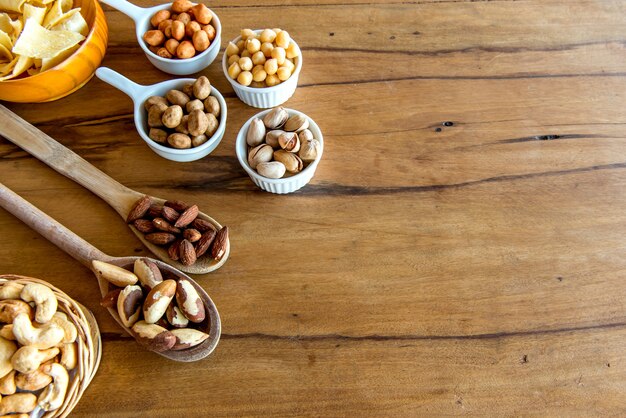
[{"x": 459, "y": 251}]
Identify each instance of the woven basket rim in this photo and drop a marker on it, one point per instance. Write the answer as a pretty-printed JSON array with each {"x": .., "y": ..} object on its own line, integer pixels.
[{"x": 89, "y": 343}]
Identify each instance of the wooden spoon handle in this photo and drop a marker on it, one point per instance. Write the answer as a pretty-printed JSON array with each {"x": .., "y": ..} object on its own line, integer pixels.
[
  {"x": 49, "y": 228},
  {"x": 66, "y": 162}
]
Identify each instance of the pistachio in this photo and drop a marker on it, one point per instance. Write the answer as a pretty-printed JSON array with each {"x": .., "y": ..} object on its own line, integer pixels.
[
  {"x": 289, "y": 141},
  {"x": 271, "y": 170},
  {"x": 309, "y": 150},
  {"x": 276, "y": 118},
  {"x": 292, "y": 162},
  {"x": 256, "y": 132},
  {"x": 305, "y": 135},
  {"x": 260, "y": 154},
  {"x": 296, "y": 123},
  {"x": 271, "y": 138}
]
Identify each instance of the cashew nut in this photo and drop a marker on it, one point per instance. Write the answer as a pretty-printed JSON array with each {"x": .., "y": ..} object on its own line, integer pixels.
[
  {"x": 52, "y": 397},
  {"x": 46, "y": 336},
  {"x": 68, "y": 356},
  {"x": 28, "y": 358},
  {"x": 34, "y": 380},
  {"x": 44, "y": 299},
  {"x": 7, "y": 384},
  {"x": 7, "y": 349},
  {"x": 69, "y": 328},
  {"x": 11, "y": 290},
  {"x": 6, "y": 332},
  {"x": 19, "y": 402},
  {"x": 9, "y": 309}
]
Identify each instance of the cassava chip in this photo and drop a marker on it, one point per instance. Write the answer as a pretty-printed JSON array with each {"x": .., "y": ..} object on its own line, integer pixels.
[
  {"x": 48, "y": 63},
  {"x": 72, "y": 21},
  {"x": 5, "y": 54},
  {"x": 35, "y": 13},
  {"x": 12, "y": 5},
  {"x": 58, "y": 9},
  {"x": 6, "y": 41},
  {"x": 39, "y": 42}
]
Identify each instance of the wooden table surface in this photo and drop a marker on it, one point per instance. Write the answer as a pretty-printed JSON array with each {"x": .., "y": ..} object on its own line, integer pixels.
[{"x": 460, "y": 249}]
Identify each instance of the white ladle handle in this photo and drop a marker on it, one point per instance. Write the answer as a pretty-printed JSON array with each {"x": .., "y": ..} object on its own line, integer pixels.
[
  {"x": 134, "y": 12},
  {"x": 132, "y": 89}
]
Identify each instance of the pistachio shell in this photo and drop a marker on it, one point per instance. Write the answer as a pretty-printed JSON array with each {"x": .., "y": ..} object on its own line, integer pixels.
[
  {"x": 260, "y": 154},
  {"x": 275, "y": 118},
  {"x": 271, "y": 170},
  {"x": 296, "y": 123},
  {"x": 289, "y": 141},
  {"x": 256, "y": 132},
  {"x": 305, "y": 135},
  {"x": 271, "y": 138},
  {"x": 309, "y": 150},
  {"x": 292, "y": 162}
]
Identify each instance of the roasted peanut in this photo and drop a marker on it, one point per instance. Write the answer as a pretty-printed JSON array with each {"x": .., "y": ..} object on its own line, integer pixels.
[
  {"x": 201, "y": 40},
  {"x": 202, "y": 88},
  {"x": 178, "y": 30},
  {"x": 194, "y": 104},
  {"x": 172, "y": 116},
  {"x": 198, "y": 123},
  {"x": 158, "y": 135},
  {"x": 202, "y": 14},
  {"x": 184, "y": 17},
  {"x": 180, "y": 141},
  {"x": 185, "y": 50},
  {"x": 159, "y": 17},
  {"x": 154, "y": 115},
  {"x": 212, "y": 125},
  {"x": 196, "y": 141},
  {"x": 164, "y": 53},
  {"x": 171, "y": 45},
  {"x": 181, "y": 6},
  {"x": 191, "y": 28},
  {"x": 152, "y": 100},
  {"x": 154, "y": 37},
  {"x": 210, "y": 30},
  {"x": 177, "y": 97},
  {"x": 212, "y": 105},
  {"x": 182, "y": 128}
]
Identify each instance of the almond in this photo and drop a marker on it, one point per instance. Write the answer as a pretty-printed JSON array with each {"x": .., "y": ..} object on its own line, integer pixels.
[
  {"x": 144, "y": 226},
  {"x": 160, "y": 238},
  {"x": 163, "y": 225},
  {"x": 187, "y": 217},
  {"x": 205, "y": 242},
  {"x": 218, "y": 249},
  {"x": 187, "y": 253},
  {"x": 177, "y": 205},
  {"x": 202, "y": 225},
  {"x": 154, "y": 211},
  {"x": 192, "y": 235},
  {"x": 169, "y": 214},
  {"x": 139, "y": 210},
  {"x": 172, "y": 251}
]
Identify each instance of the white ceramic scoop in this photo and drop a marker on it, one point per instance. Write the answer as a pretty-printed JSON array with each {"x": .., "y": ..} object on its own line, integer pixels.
[
  {"x": 187, "y": 66},
  {"x": 139, "y": 94}
]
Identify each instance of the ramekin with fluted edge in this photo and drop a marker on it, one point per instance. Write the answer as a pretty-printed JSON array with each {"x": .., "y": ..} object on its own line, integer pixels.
[
  {"x": 185, "y": 66},
  {"x": 265, "y": 97},
  {"x": 286, "y": 184}
]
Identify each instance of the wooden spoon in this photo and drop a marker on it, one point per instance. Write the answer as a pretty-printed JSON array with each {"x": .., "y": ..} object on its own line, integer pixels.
[
  {"x": 119, "y": 197},
  {"x": 86, "y": 253}
]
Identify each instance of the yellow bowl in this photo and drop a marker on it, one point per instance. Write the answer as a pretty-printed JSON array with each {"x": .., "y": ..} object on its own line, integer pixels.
[{"x": 71, "y": 74}]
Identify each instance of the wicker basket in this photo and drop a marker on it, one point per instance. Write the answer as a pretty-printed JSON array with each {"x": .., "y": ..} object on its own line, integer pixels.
[{"x": 88, "y": 341}]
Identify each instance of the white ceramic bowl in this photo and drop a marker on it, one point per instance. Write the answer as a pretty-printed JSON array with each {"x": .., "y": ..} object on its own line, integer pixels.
[
  {"x": 139, "y": 94},
  {"x": 286, "y": 184},
  {"x": 187, "y": 66},
  {"x": 268, "y": 96}
]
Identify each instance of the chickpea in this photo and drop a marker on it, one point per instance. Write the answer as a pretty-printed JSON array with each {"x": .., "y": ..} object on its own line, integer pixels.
[
  {"x": 245, "y": 63},
  {"x": 283, "y": 73},
  {"x": 293, "y": 50},
  {"x": 184, "y": 17},
  {"x": 253, "y": 45},
  {"x": 201, "y": 41},
  {"x": 268, "y": 35},
  {"x": 234, "y": 70},
  {"x": 210, "y": 30},
  {"x": 272, "y": 80},
  {"x": 276, "y": 30},
  {"x": 191, "y": 28},
  {"x": 260, "y": 75},
  {"x": 163, "y": 53},
  {"x": 266, "y": 48},
  {"x": 154, "y": 37},
  {"x": 278, "y": 53},
  {"x": 244, "y": 78},
  {"x": 257, "y": 84},
  {"x": 240, "y": 44},
  {"x": 232, "y": 49},
  {"x": 159, "y": 17},
  {"x": 258, "y": 58},
  {"x": 247, "y": 33},
  {"x": 178, "y": 30},
  {"x": 171, "y": 45},
  {"x": 282, "y": 39},
  {"x": 271, "y": 66},
  {"x": 245, "y": 53},
  {"x": 289, "y": 64},
  {"x": 185, "y": 50},
  {"x": 233, "y": 58}
]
